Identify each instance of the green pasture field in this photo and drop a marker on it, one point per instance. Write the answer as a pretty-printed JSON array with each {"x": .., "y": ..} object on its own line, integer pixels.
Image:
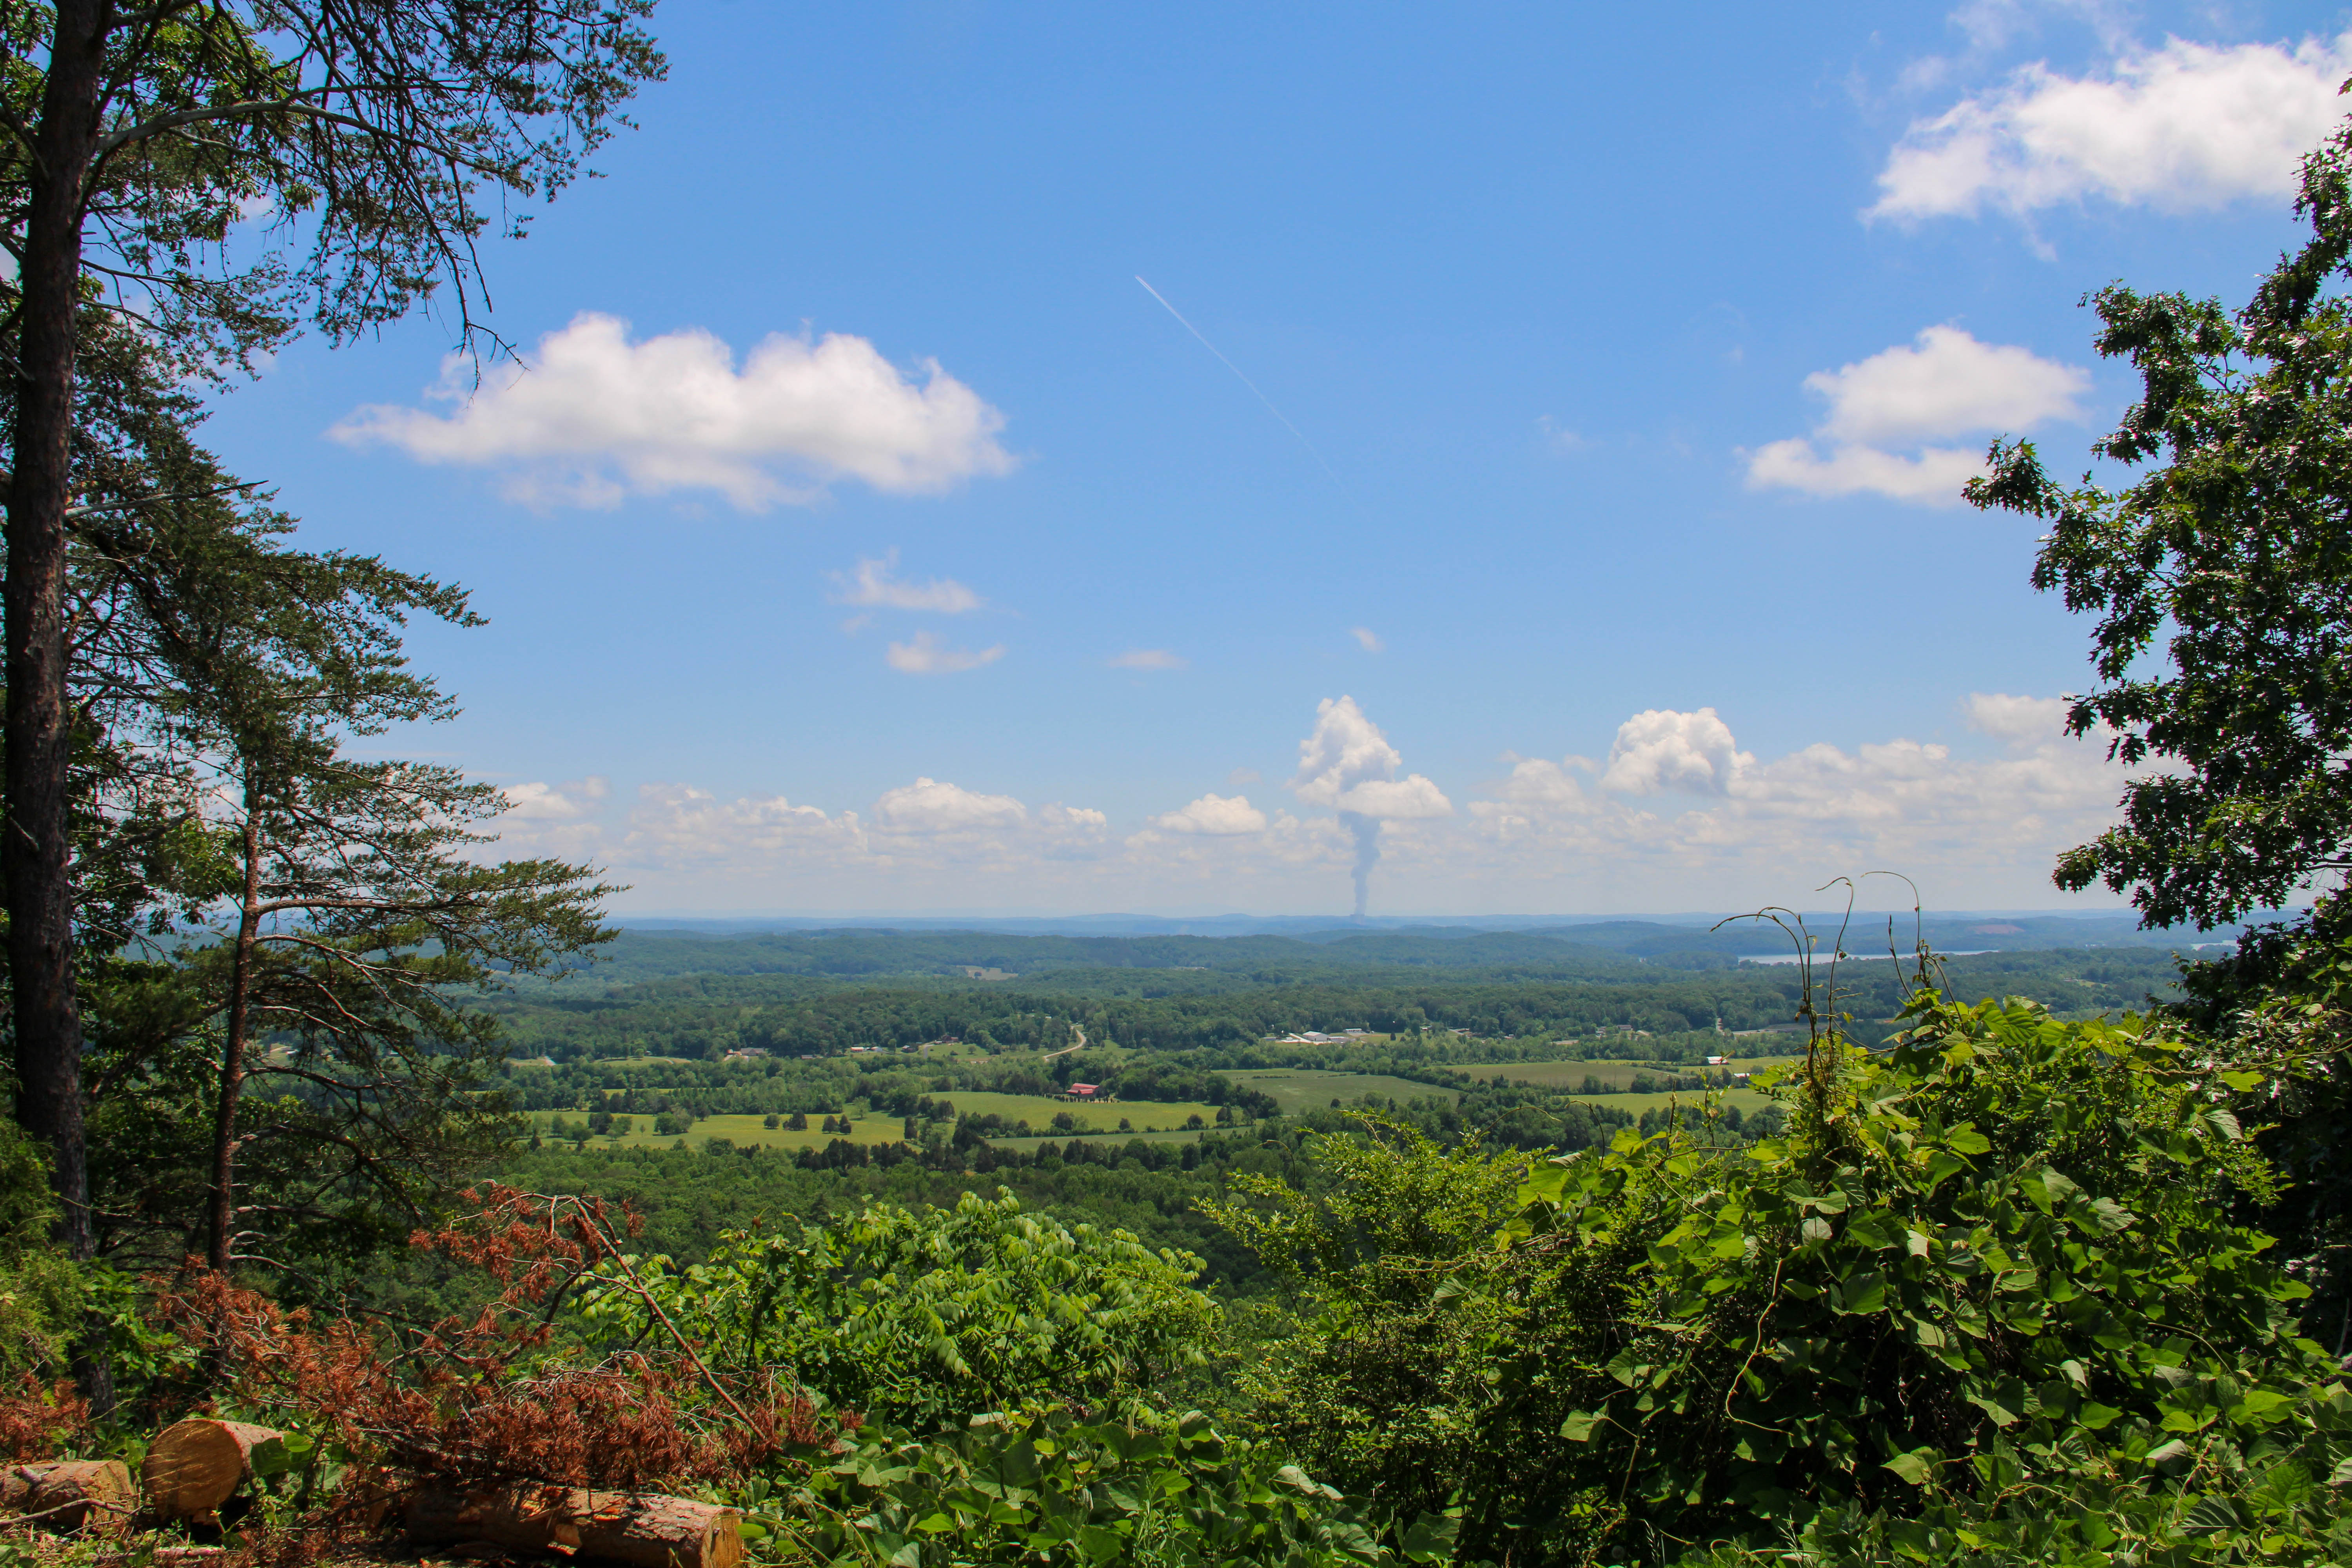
[
  {"x": 1298, "y": 1090},
  {"x": 1748, "y": 1100},
  {"x": 743, "y": 1130},
  {"x": 1167, "y": 1116},
  {"x": 1567, "y": 1076},
  {"x": 1102, "y": 1122}
]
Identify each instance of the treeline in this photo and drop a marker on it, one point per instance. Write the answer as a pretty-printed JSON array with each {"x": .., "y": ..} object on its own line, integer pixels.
[{"x": 708, "y": 1015}]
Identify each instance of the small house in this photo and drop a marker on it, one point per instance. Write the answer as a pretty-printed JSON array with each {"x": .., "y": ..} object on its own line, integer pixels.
[{"x": 1085, "y": 1091}]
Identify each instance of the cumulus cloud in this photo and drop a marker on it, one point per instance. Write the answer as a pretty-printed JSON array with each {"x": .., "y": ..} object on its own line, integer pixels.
[
  {"x": 919, "y": 831},
  {"x": 2017, "y": 720},
  {"x": 555, "y": 802},
  {"x": 1214, "y": 815},
  {"x": 2187, "y": 127},
  {"x": 590, "y": 418},
  {"x": 1345, "y": 749},
  {"x": 1661, "y": 749},
  {"x": 677, "y": 826},
  {"x": 926, "y": 655},
  {"x": 1934, "y": 478},
  {"x": 1678, "y": 814},
  {"x": 1395, "y": 800},
  {"x": 552, "y": 819},
  {"x": 1147, "y": 659},
  {"x": 1367, "y": 639},
  {"x": 1348, "y": 764},
  {"x": 1764, "y": 824},
  {"x": 927, "y": 805},
  {"x": 873, "y": 584},
  {"x": 1948, "y": 385}
]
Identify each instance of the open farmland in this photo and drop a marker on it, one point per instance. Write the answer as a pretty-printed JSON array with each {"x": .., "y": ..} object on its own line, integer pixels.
[
  {"x": 1298, "y": 1090},
  {"x": 1038, "y": 1110},
  {"x": 1568, "y": 1077}
]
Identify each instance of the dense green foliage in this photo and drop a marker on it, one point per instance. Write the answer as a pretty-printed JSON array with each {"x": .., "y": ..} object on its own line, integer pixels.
[
  {"x": 1988, "y": 1283},
  {"x": 918, "y": 1318},
  {"x": 1031, "y": 1489}
]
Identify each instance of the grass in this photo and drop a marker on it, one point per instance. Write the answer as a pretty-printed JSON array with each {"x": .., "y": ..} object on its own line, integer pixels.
[
  {"x": 1167, "y": 1119},
  {"x": 743, "y": 1130},
  {"x": 1748, "y": 1100},
  {"x": 1297, "y": 1089},
  {"x": 1568, "y": 1077}
]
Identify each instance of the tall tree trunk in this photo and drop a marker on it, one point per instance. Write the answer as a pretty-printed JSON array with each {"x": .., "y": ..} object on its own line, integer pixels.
[
  {"x": 36, "y": 851},
  {"x": 232, "y": 1072}
]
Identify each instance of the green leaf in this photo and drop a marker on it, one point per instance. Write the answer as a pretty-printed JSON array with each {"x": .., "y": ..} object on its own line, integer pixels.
[
  {"x": 1865, "y": 1293},
  {"x": 2095, "y": 1416},
  {"x": 1430, "y": 1538},
  {"x": 1578, "y": 1428},
  {"x": 1914, "y": 1467}
]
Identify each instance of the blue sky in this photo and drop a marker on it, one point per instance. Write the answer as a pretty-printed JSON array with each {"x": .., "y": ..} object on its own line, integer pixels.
[{"x": 1600, "y": 556}]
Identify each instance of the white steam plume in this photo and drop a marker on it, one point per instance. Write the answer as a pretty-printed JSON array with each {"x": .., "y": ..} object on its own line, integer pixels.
[{"x": 1348, "y": 764}]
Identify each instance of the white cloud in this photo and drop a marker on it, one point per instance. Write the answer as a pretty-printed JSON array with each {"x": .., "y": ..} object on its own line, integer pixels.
[
  {"x": 1367, "y": 639},
  {"x": 929, "y": 806},
  {"x": 592, "y": 417},
  {"x": 1949, "y": 384},
  {"x": 1678, "y": 817},
  {"x": 1933, "y": 478},
  {"x": 1661, "y": 749},
  {"x": 1395, "y": 800},
  {"x": 919, "y": 831},
  {"x": 872, "y": 584},
  {"x": 1215, "y": 815},
  {"x": 1148, "y": 658},
  {"x": 1345, "y": 750},
  {"x": 2184, "y": 128},
  {"x": 557, "y": 802},
  {"x": 1783, "y": 825},
  {"x": 2016, "y": 720},
  {"x": 551, "y": 820},
  {"x": 926, "y": 655},
  {"x": 675, "y": 825}
]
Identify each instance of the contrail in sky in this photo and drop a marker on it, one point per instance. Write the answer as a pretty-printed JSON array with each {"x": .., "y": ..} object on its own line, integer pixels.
[{"x": 1230, "y": 366}]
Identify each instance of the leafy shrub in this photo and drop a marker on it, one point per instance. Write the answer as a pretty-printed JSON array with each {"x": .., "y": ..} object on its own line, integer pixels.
[
  {"x": 920, "y": 1317},
  {"x": 1990, "y": 1282},
  {"x": 1053, "y": 1489}
]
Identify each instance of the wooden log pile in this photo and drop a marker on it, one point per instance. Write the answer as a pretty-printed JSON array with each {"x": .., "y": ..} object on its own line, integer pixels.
[
  {"x": 194, "y": 1468},
  {"x": 642, "y": 1531},
  {"x": 68, "y": 1495}
]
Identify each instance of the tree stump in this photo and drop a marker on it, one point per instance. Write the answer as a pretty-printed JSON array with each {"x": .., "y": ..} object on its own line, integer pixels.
[
  {"x": 639, "y": 1529},
  {"x": 69, "y": 1494},
  {"x": 196, "y": 1465}
]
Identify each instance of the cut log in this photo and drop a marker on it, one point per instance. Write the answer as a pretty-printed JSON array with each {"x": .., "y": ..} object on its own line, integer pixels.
[
  {"x": 635, "y": 1527},
  {"x": 69, "y": 1494},
  {"x": 196, "y": 1465}
]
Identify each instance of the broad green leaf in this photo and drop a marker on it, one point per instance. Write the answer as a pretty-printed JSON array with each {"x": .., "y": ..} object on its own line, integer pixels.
[
  {"x": 1914, "y": 1467},
  {"x": 1578, "y": 1428}
]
